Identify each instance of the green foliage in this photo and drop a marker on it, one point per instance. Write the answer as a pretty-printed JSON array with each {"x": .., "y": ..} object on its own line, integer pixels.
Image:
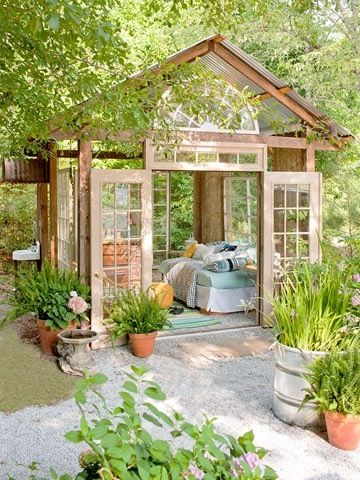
[
  {"x": 136, "y": 312},
  {"x": 122, "y": 447},
  {"x": 335, "y": 383},
  {"x": 182, "y": 209},
  {"x": 313, "y": 310},
  {"x": 46, "y": 295},
  {"x": 17, "y": 217}
]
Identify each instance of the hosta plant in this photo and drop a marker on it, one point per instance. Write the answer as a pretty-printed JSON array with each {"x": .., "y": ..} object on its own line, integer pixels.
[{"x": 122, "y": 447}]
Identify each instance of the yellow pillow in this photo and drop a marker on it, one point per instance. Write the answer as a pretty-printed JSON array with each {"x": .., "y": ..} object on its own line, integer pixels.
[{"x": 190, "y": 250}]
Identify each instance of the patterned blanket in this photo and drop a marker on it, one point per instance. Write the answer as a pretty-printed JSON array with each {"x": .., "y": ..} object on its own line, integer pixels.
[{"x": 182, "y": 277}]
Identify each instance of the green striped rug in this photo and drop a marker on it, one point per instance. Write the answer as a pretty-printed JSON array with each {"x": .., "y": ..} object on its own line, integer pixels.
[{"x": 190, "y": 319}]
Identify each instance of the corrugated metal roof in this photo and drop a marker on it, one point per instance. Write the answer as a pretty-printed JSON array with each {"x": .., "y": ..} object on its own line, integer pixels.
[
  {"x": 278, "y": 83},
  {"x": 272, "y": 113},
  {"x": 274, "y": 108}
]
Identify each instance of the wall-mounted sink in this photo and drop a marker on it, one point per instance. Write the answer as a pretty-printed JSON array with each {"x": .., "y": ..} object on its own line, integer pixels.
[{"x": 32, "y": 253}]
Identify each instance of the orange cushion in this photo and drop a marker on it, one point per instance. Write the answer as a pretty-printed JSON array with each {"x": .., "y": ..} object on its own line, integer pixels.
[
  {"x": 190, "y": 250},
  {"x": 163, "y": 293}
]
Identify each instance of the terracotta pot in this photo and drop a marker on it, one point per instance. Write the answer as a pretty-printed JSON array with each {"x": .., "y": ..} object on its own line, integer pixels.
[
  {"x": 142, "y": 344},
  {"x": 343, "y": 430},
  {"x": 49, "y": 337}
]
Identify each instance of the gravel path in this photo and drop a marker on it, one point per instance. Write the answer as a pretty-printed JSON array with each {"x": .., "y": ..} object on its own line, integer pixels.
[{"x": 237, "y": 391}]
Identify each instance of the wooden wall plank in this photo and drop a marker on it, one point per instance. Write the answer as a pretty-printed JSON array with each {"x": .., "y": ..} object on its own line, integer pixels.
[
  {"x": 288, "y": 159},
  {"x": 53, "y": 165},
  {"x": 84, "y": 170},
  {"x": 43, "y": 220}
]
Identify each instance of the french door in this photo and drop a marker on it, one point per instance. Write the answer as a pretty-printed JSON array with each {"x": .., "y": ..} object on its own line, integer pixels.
[
  {"x": 121, "y": 237},
  {"x": 291, "y": 225}
]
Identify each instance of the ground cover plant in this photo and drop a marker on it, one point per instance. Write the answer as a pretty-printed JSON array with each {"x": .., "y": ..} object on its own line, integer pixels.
[{"x": 120, "y": 446}]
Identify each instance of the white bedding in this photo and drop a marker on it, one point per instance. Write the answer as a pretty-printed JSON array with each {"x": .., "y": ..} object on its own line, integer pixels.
[
  {"x": 226, "y": 301},
  {"x": 208, "y": 298}
]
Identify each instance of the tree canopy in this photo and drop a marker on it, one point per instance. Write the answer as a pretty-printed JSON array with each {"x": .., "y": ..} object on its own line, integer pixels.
[{"x": 56, "y": 54}]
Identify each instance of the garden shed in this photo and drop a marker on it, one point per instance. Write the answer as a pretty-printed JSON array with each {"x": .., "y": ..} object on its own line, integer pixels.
[{"x": 253, "y": 187}]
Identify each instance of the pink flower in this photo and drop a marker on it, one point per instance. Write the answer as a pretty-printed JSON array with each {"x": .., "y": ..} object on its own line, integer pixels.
[
  {"x": 195, "y": 471},
  {"x": 77, "y": 305},
  {"x": 251, "y": 458},
  {"x": 355, "y": 301},
  {"x": 356, "y": 277}
]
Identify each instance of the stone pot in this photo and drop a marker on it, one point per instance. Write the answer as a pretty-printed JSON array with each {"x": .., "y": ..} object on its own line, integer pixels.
[
  {"x": 80, "y": 341},
  {"x": 142, "y": 344}
]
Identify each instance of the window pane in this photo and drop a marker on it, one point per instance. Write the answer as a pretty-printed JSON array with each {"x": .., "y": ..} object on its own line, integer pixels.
[
  {"x": 291, "y": 220},
  {"x": 304, "y": 195},
  {"x": 291, "y": 196},
  {"x": 279, "y": 196},
  {"x": 303, "y": 246},
  {"x": 279, "y": 221},
  {"x": 291, "y": 246},
  {"x": 304, "y": 218},
  {"x": 279, "y": 244}
]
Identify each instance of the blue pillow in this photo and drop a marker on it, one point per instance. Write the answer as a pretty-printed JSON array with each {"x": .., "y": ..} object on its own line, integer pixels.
[{"x": 227, "y": 265}]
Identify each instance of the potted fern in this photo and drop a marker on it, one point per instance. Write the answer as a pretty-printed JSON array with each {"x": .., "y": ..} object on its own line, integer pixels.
[
  {"x": 139, "y": 315},
  {"x": 335, "y": 389},
  {"x": 57, "y": 298},
  {"x": 311, "y": 316}
]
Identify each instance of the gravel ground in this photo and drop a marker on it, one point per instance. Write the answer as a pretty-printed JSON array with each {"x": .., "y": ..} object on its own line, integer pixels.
[{"x": 237, "y": 391}]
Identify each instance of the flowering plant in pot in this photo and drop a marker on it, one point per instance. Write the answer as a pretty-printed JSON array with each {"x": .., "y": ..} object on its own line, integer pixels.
[
  {"x": 335, "y": 388},
  {"x": 57, "y": 298},
  {"x": 138, "y": 314},
  {"x": 313, "y": 313}
]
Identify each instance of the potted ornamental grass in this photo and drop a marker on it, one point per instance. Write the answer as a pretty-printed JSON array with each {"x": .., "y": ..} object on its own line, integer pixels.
[
  {"x": 57, "y": 298},
  {"x": 313, "y": 313},
  {"x": 335, "y": 389},
  {"x": 138, "y": 314}
]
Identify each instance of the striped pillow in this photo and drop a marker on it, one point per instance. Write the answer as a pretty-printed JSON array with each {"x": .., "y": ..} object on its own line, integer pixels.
[{"x": 227, "y": 265}]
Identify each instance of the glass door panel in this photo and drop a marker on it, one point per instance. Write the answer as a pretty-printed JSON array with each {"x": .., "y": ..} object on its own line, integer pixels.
[
  {"x": 121, "y": 237},
  {"x": 291, "y": 224}
]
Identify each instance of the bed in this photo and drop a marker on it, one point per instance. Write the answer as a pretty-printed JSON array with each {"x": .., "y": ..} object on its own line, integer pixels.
[{"x": 225, "y": 292}]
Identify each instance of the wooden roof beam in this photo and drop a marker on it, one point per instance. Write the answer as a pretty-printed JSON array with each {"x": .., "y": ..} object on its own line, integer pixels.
[
  {"x": 255, "y": 77},
  {"x": 266, "y": 95}
]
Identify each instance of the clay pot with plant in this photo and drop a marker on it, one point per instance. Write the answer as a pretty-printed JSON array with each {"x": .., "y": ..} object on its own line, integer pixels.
[
  {"x": 139, "y": 315},
  {"x": 335, "y": 388},
  {"x": 50, "y": 295},
  {"x": 313, "y": 313}
]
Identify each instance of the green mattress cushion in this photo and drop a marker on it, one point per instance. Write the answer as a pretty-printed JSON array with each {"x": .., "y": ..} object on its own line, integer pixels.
[{"x": 224, "y": 280}]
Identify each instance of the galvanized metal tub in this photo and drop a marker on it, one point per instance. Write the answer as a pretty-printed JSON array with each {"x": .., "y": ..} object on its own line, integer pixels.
[{"x": 289, "y": 385}]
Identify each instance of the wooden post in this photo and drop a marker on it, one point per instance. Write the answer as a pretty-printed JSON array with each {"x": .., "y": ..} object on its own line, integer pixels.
[
  {"x": 84, "y": 169},
  {"x": 53, "y": 203},
  {"x": 310, "y": 158},
  {"x": 43, "y": 219},
  {"x": 197, "y": 209},
  {"x": 209, "y": 206}
]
